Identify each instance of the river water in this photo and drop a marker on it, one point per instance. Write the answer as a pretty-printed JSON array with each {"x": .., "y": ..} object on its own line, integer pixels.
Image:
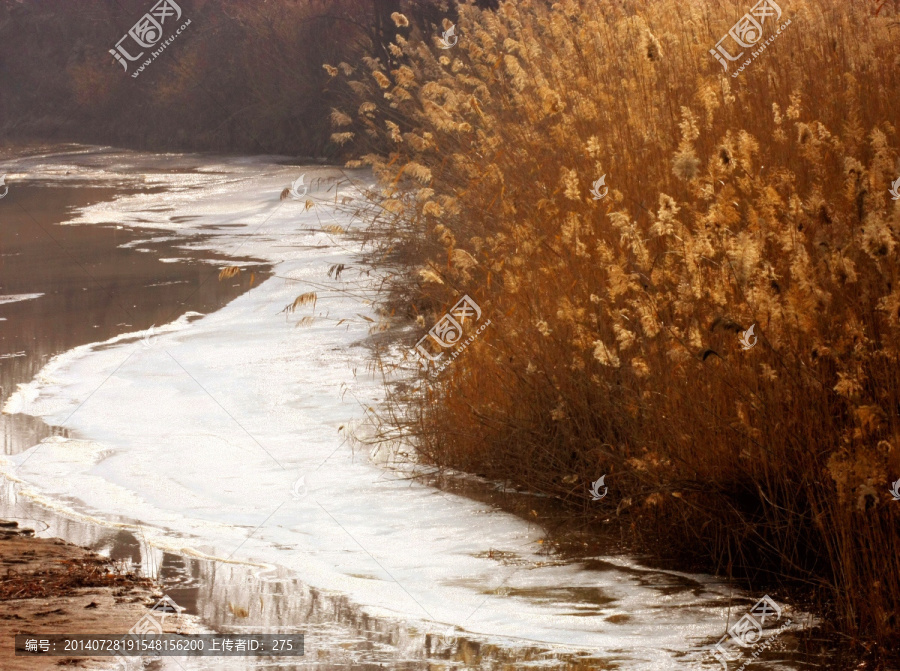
[{"x": 193, "y": 427}]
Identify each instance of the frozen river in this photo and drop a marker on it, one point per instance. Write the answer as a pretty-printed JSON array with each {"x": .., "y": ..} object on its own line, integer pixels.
[{"x": 218, "y": 446}]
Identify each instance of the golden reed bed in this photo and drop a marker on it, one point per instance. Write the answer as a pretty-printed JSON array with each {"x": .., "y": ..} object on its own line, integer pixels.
[{"x": 624, "y": 209}]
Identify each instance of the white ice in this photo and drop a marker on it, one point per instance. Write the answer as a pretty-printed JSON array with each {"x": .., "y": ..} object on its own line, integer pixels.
[
  {"x": 15, "y": 298},
  {"x": 200, "y": 430}
]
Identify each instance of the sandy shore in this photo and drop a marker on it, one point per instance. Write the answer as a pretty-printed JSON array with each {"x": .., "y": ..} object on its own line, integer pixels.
[{"x": 48, "y": 586}]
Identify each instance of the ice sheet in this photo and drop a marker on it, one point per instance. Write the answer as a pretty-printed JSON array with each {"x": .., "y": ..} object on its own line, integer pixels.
[
  {"x": 15, "y": 298},
  {"x": 198, "y": 431}
]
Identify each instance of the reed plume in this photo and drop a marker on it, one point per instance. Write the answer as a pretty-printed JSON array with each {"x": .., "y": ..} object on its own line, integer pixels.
[{"x": 759, "y": 200}]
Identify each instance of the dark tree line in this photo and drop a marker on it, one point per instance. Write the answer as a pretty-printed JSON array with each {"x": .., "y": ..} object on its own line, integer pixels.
[{"x": 244, "y": 77}]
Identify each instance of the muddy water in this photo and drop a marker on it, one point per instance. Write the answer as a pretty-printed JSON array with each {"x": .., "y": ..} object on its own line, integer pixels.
[
  {"x": 65, "y": 286},
  {"x": 512, "y": 604}
]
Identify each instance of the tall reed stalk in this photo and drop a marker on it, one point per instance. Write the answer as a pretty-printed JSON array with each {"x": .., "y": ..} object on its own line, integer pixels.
[{"x": 615, "y": 346}]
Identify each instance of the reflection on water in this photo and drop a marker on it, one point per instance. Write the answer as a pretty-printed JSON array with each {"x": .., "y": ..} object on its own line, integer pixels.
[
  {"x": 19, "y": 432},
  {"x": 91, "y": 283},
  {"x": 231, "y": 598}
]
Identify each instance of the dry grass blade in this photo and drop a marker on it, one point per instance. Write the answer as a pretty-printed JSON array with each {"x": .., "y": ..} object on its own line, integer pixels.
[
  {"x": 306, "y": 321},
  {"x": 302, "y": 299},
  {"x": 334, "y": 229}
]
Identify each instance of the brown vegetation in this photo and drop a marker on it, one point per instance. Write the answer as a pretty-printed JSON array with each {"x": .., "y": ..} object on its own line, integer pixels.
[
  {"x": 615, "y": 346},
  {"x": 65, "y": 579},
  {"x": 244, "y": 76},
  {"x": 48, "y": 586},
  {"x": 29, "y": 575}
]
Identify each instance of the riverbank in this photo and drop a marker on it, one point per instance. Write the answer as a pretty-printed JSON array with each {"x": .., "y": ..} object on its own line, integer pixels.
[
  {"x": 216, "y": 452},
  {"x": 49, "y": 586}
]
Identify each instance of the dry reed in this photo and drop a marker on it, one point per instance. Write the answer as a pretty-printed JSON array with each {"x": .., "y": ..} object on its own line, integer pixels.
[{"x": 733, "y": 201}]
